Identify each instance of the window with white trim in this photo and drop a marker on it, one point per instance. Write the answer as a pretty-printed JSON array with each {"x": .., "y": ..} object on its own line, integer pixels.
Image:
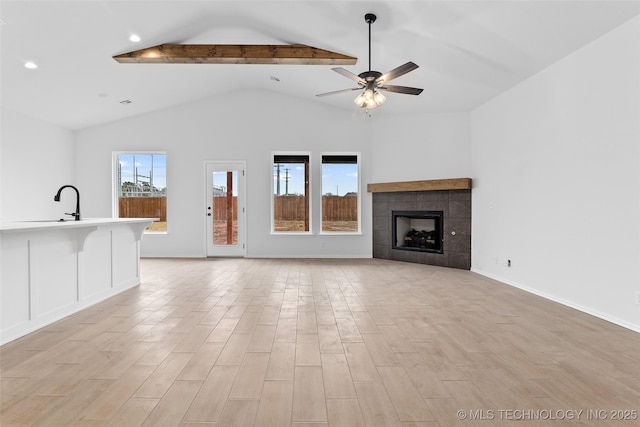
[
  {"x": 141, "y": 187},
  {"x": 290, "y": 202},
  {"x": 340, "y": 193}
]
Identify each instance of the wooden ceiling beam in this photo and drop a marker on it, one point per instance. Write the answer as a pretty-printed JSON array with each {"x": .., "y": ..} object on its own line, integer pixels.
[{"x": 296, "y": 54}]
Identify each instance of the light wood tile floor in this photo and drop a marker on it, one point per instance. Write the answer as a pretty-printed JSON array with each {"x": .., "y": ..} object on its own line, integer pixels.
[{"x": 262, "y": 342}]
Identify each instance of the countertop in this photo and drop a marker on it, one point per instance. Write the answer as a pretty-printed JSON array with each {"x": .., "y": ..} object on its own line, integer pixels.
[{"x": 33, "y": 225}]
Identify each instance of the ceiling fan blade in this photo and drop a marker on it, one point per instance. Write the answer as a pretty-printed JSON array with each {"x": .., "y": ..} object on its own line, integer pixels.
[
  {"x": 350, "y": 75},
  {"x": 402, "y": 89},
  {"x": 397, "y": 72},
  {"x": 339, "y": 91}
]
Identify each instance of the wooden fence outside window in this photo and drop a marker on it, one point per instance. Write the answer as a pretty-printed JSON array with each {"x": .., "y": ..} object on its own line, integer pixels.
[{"x": 334, "y": 208}]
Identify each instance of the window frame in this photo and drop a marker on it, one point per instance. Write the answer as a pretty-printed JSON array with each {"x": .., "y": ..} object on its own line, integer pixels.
[
  {"x": 308, "y": 195},
  {"x": 358, "y": 188},
  {"x": 115, "y": 208}
]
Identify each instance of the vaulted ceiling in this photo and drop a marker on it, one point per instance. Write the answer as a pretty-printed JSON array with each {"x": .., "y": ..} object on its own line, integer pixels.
[{"x": 468, "y": 51}]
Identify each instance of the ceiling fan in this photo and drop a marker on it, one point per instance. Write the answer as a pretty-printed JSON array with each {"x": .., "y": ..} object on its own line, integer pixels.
[{"x": 370, "y": 82}]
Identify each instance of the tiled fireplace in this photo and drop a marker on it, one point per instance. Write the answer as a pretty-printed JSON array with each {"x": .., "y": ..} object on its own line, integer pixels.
[{"x": 426, "y": 222}]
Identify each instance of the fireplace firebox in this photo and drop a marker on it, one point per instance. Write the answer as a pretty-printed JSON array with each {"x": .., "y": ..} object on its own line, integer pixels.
[{"x": 420, "y": 231}]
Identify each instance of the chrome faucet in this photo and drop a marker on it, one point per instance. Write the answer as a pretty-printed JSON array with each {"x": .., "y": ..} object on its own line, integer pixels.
[{"x": 76, "y": 214}]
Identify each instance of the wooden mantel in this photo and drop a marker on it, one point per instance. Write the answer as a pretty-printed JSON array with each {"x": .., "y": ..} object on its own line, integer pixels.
[{"x": 428, "y": 185}]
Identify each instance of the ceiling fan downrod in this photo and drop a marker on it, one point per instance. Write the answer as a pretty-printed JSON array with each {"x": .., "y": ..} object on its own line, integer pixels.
[{"x": 370, "y": 18}]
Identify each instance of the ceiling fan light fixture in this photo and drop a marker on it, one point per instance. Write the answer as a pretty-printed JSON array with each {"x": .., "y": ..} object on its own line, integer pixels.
[
  {"x": 359, "y": 100},
  {"x": 379, "y": 98},
  {"x": 370, "y": 98}
]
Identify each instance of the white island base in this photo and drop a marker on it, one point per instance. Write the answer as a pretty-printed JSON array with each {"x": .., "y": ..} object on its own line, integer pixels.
[{"x": 50, "y": 270}]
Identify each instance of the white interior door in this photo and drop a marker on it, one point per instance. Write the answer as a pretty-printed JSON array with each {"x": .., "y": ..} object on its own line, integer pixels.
[{"x": 225, "y": 208}]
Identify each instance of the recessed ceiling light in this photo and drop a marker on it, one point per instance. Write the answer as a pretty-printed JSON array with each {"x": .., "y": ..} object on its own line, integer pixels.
[
  {"x": 30, "y": 65},
  {"x": 134, "y": 38}
]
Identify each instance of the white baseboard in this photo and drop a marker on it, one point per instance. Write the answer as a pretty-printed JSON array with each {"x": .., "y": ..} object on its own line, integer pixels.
[
  {"x": 264, "y": 256},
  {"x": 587, "y": 310},
  {"x": 316, "y": 256}
]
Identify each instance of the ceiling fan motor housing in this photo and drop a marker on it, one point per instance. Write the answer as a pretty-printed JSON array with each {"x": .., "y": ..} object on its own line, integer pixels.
[{"x": 370, "y": 76}]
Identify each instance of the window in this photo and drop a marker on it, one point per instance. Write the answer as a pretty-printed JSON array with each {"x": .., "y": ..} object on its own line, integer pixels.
[
  {"x": 141, "y": 188},
  {"x": 340, "y": 195},
  {"x": 290, "y": 193}
]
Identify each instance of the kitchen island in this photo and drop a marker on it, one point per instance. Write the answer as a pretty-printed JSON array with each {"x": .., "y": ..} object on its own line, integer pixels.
[{"x": 51, "y": 269}]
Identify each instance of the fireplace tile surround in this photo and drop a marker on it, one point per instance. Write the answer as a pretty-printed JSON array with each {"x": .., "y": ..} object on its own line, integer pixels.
[{"x": 456, "y": 207}]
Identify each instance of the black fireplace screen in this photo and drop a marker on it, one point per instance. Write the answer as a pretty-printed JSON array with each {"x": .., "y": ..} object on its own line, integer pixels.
[{"x": 418, "y": 231}]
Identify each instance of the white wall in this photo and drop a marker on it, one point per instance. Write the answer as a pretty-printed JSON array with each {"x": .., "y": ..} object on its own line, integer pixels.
[
  {"x": 556, "y": 168},
  {"x": 414, "y": 147},
  {"x": 239, "y": 126},
  {"x": 37, "y": 159}
]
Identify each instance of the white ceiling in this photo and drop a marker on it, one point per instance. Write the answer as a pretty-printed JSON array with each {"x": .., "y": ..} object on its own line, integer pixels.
[{"x": 468, "y": 51}]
